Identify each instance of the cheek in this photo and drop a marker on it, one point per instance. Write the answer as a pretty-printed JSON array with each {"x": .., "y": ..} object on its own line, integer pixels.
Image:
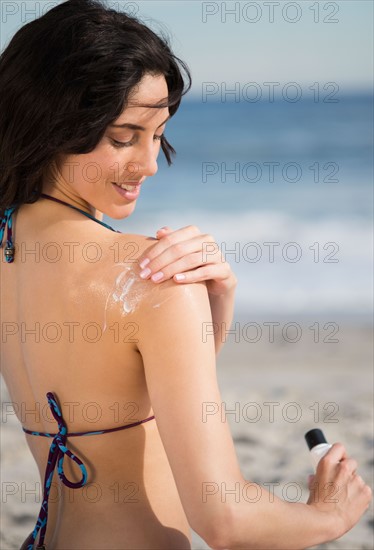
[
  {"x": 101, "y": 165},
  {"x": 110, "y": 163}
]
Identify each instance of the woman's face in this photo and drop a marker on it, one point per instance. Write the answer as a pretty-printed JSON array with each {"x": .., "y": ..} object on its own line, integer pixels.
[{"x": 125, "y": 155}]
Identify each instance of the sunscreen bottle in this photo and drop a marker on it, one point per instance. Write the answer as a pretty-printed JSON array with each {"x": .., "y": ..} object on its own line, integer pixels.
[{"x": 317, "y": 444}]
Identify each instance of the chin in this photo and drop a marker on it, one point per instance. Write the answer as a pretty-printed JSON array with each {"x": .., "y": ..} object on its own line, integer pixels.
[{"x": 120, "y": 212}]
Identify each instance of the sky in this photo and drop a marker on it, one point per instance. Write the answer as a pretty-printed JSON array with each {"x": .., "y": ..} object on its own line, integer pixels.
[{"x": 245, "y": 42}]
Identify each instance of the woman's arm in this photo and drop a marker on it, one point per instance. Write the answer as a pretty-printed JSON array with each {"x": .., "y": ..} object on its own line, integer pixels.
[
  {"x": 196, "y": 257},
  {"x": 180, "y": 372}
]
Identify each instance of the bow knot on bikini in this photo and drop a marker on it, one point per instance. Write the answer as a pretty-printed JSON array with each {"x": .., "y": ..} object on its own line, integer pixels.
[
  {"x": 59, "y": 442},
  {"x": 57, "y": 453}
]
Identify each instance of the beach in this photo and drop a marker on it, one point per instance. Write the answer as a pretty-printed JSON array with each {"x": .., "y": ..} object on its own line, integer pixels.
[
  {"x": 274, "y": 163},
  {"x": 272, "y": 393}
]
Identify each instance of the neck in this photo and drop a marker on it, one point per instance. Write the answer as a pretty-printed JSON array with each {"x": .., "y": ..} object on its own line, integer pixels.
[
  {"x": 85, "y": 213},
  {"x": 78, "y": 202},
  {"x": 55, "y": 186}
]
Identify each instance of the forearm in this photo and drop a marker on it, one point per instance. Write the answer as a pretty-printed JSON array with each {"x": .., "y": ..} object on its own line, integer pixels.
[
  {"x": 261, "y": 521},
  {"x": 279, "y": 525},
  {"x": 222, "y": 308}
]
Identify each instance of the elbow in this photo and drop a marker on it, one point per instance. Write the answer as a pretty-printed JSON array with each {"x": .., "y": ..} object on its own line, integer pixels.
[
  {"x": 219, "y": 541},
  {"x": 218, "y": 534},
  {"x": 217, "y": 546}
]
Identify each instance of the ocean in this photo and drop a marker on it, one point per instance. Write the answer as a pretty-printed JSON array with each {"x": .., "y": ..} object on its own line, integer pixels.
[{"x": 286, "y": 189}]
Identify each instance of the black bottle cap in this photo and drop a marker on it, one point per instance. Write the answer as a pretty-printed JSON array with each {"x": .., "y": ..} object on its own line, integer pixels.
[{"x": 314, "y": 437}]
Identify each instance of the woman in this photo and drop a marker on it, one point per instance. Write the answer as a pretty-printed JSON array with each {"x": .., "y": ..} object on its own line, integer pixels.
[{"x": 125, "y": 455}]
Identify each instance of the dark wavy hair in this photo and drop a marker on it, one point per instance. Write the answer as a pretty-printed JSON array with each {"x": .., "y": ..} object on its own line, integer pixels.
[{"x": 64, "y": 78}]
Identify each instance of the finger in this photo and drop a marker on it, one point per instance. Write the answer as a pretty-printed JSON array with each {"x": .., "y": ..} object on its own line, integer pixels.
[
  {"x": 189, "y": 265},
  {"x": 189, "y": 254},
  {"x": 181, "y": 234},
  {"x": 311, "y": 478},
  {"x": 163, "y": 231},
  {"x": 359, "y": 480},
  {"x": 163, "y": 263},
  {"x": 203, "y": 273},
  {"x": 191, "y": 262},
  {"x": 186, "y": 263},
  {"x": 348, "y": 466},
  {"x": 167, "y": 239},
  {"x": 335, "y": 454}
]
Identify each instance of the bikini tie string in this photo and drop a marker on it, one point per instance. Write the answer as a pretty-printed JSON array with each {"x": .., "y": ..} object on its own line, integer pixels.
[
  {"x": 57, "y": 452},
  {"x": 6, "y": 222}
]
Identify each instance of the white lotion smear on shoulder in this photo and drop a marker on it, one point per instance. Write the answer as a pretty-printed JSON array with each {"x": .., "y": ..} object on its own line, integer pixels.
[
  {"x": 127, "y": 292},
  {"x": 129, "y": 289}
]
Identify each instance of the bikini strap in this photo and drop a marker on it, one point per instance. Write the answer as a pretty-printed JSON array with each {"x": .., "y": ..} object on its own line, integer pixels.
[
  {"x": 98, "y": 432},
  {"x": 57, "y": 452},
  {"x": 79, "y": 210},
  {"x": 6, "y": 222}
]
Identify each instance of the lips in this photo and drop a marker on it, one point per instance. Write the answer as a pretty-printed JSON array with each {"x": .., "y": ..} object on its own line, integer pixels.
[
  {"x": 129, "y": 183},
  {"x": 125, "y": 185},
  {"x": 131, "y": 194},
  {"x": 135, "y": 184}
]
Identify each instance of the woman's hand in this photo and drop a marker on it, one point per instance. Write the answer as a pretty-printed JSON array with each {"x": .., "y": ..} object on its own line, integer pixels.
[
  {"x": 337, "y": 489},
  {"x": 188, "y": 256}
]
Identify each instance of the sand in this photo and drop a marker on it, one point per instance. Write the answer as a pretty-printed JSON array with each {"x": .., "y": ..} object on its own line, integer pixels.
[{"x": 278, "y": 391}]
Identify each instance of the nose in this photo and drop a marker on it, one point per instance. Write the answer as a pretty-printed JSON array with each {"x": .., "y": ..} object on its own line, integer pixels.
[{"x": 145, "y": 163}]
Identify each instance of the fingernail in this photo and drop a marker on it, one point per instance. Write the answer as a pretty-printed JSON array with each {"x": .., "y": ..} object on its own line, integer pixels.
[
  {"x": 157, "y": 276},
  {"x": 180, "y": 277},
  {"x": 144, "y": 262},
  {"x": 145, "y": 273},
  {"x": 163, "y": 228}
]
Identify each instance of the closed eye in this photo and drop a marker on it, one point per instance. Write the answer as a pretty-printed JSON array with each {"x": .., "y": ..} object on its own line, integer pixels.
[{"x": 122, "y": 144}]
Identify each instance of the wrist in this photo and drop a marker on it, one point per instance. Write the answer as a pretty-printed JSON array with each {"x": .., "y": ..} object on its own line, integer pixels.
[{"x": 330, "y": 524}]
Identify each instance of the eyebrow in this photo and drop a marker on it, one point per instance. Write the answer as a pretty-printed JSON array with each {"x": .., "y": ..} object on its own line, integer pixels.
[{"x": 135, "y": 126}]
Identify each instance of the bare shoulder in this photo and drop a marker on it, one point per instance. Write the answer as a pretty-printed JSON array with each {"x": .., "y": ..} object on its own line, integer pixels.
[
  {"x": 131, "y": 246},
  {"x": 145, "y": 301}
]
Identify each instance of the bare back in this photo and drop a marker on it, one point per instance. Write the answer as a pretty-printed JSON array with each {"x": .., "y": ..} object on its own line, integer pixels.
[{"x": 71, "y": 314}]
